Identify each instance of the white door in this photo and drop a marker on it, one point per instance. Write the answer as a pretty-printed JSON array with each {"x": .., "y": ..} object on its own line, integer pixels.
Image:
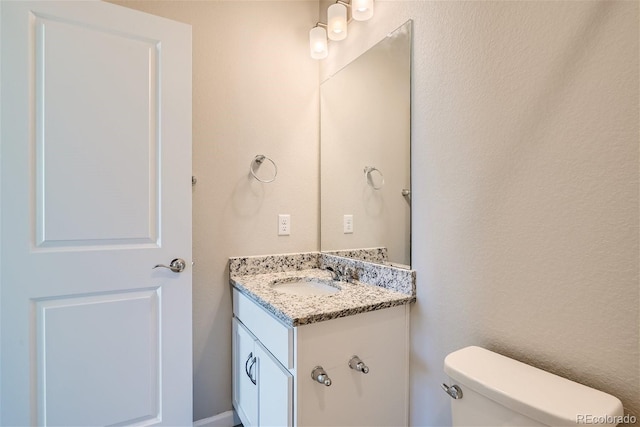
[{"x": 95, "y": 172}]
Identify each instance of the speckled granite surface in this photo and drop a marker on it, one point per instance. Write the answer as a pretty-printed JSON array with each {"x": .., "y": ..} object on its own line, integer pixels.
[
  {"x": 375, "y": 286},
  {"x": 241, "y": 266},
  {"x": 392, "y": 278},
  {"x": 377, "y": 255}
]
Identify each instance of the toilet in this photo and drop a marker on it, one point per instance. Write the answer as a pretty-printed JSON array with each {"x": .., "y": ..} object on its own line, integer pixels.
[{"x": 493, "y": 390}]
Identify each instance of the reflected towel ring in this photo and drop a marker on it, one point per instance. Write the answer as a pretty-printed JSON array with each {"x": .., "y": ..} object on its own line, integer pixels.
[
  {"x": 258, "y": 160},
  {"x": 368, "y": 170}
]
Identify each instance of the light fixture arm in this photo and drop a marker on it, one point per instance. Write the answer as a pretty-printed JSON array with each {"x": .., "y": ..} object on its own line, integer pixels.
[{"x": 348, "y": 6}]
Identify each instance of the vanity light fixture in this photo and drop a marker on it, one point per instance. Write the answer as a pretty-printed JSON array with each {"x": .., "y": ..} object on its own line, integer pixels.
[
  {"x": 337, "y": 22},
  {"x": 318, "y": 42},
  {"x": 336, "y": 27},
  {"x": 361, "y": 10}
]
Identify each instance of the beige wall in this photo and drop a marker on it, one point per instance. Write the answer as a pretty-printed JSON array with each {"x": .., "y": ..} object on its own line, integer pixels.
[
  {"x": 525, "y": 177},
  {"x": 255, "y": 91},
  {"x": 525, "y": 187}
]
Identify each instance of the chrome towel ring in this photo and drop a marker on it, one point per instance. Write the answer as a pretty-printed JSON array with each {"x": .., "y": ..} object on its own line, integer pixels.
[
  {"x": 255, "y": 164},
  {"x": 368, "y": 170}
]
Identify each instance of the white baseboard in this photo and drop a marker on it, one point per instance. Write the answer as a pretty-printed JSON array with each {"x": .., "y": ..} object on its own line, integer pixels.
[{"x": 225, "y": 419}]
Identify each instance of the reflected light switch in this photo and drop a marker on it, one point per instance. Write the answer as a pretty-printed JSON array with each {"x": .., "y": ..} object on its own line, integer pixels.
[{"x": 348, "y": 224}]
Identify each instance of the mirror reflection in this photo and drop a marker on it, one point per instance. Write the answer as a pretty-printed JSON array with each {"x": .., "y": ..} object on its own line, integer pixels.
[{"x": 365, "y": 154}]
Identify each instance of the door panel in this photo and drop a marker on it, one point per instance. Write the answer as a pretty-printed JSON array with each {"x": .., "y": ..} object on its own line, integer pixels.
[
  {"x": 80, "y": 199},
  {"x": 95, "y": 175},
  {"x": 120, "y": 326}
]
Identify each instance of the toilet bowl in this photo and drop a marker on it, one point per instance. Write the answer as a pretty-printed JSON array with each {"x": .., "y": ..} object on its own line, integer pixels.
[{"x": 494, "y": 390}]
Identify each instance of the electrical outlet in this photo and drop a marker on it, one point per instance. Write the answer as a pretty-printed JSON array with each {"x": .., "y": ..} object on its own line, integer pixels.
[
  {"x": 284, "y": 225},
  {"x": 348, "y": 224}
]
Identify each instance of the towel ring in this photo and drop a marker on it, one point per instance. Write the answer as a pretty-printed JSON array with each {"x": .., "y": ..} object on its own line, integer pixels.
[
  {"x": 368, "y": 170},
  {"x": 258, "y": 160}
]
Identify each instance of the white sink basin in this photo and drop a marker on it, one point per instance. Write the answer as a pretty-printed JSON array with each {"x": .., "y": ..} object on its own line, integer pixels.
[{"x": 305, "y": 286}]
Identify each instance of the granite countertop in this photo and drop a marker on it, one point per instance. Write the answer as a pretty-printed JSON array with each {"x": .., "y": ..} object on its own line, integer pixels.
[{"x": 298, "y": 310}]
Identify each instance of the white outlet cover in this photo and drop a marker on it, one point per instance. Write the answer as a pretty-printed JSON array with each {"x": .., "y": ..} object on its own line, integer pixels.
[{"x": 284, "y": 225}]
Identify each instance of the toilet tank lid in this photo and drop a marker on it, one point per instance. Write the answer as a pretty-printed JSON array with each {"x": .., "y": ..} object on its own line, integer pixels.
[{"x": 538, "y": 394}]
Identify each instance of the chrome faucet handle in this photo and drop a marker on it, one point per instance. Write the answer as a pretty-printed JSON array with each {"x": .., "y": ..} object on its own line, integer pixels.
[{"x": 350, "y": 275}]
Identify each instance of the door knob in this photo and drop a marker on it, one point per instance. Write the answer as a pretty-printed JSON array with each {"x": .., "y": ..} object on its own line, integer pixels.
[{"x": 177, "y": 265}]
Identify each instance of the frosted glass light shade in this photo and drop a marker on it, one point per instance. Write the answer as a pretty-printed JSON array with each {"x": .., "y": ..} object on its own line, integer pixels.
[
  {"x": 337, "y": 21},
  {"x": 318, "y": 43},
  {"x": 361, "y": 10}
]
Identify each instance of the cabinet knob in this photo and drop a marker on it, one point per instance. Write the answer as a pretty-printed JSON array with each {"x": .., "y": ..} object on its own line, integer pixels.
[
  {"x": 356, "y": 364},
  {"x": 318, "y": 374}
]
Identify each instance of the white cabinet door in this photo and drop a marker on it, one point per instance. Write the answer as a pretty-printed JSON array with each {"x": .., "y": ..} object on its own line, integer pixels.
[
  {"x": 245, "y": 375},
  {"x": 275, "y": 391},
  {"x": 262, "y": 387},
  {"x": 96, "y": 169}
]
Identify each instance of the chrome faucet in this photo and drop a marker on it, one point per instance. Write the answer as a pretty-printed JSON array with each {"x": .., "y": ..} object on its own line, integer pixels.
[
  {"x": 335, "y": 274},
  {"x": 348, "y": 275}
]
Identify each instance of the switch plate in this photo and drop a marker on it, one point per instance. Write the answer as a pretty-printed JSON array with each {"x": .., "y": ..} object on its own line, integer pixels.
[
  {"x": 348, "y": 224},
  {"x": 284, "y": 225}
]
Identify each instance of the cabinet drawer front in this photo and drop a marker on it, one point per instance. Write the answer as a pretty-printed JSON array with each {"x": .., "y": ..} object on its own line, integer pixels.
[{"x": 275, "y": 336}]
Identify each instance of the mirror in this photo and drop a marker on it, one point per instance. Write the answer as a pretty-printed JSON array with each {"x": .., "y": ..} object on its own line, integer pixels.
[{"x": 365, "y": 167}]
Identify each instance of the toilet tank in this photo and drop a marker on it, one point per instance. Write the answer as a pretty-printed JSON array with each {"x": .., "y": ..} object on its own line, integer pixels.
[{"x": 499, "y": 391}]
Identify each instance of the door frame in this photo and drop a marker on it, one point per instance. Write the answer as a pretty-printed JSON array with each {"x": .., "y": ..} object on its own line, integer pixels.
[{"x": 1, "y": 142}]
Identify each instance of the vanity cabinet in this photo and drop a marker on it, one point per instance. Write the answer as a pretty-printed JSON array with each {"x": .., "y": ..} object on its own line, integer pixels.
[{"x": 280, "y": 359}]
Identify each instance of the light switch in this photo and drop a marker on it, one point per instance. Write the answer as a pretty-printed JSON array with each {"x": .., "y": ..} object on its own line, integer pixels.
[{"x": 348, "y": 224}]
